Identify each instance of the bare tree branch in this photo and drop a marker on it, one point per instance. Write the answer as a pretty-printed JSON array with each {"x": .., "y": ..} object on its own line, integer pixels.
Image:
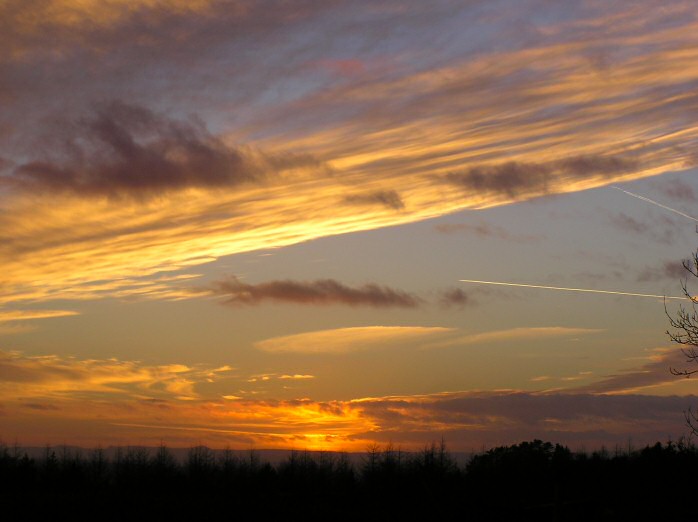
[{"x": 685, "y": 334}]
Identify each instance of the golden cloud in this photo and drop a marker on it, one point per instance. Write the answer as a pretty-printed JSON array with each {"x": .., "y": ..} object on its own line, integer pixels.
[
  {"x": 467, "y": 420},
  {"x": 345, "y": 340},
  {"x": 419, "y": 144},
  {"x": 52, "y": 376},
  {"x": 25, "y": 315}
]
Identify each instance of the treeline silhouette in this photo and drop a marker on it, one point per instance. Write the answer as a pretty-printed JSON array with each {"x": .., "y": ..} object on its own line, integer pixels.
[{"x": 530, "y": 481}]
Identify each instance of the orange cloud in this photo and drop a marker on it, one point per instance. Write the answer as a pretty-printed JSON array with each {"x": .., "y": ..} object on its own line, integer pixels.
[
  {"x": 467, "y": 420},
  {"x": 44, "y": 397},
  {"x": 52, "y": 377},
  {"x": 25, "y": 315},
  {"x": 487, "y": 130}
]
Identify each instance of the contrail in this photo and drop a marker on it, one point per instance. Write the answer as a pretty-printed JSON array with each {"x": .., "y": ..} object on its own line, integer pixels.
[
  {"x": 648, "y": 200},
  {"x": 587, "y": 290}
]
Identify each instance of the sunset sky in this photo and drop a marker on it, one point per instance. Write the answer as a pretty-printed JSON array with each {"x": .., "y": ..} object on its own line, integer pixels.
[{"x": 248, "y": 223}]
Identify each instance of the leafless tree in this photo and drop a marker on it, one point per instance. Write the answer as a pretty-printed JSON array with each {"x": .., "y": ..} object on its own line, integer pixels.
[{"x": 685, "y": 334}]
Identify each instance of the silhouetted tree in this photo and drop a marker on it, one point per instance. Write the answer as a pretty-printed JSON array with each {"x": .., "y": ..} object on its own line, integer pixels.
[
  {"x": 685, "y": 334},
  {"x": 201, "y": 461},
  {"x": 163, "y": 461},
  {"x": 534, "y": 480},
  {"x": 372, "y": 458}
]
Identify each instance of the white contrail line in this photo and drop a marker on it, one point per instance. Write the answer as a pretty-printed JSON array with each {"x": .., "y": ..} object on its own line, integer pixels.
[
  {"x": 648, "y": 200},
  {"x": 587, "y": 290}
]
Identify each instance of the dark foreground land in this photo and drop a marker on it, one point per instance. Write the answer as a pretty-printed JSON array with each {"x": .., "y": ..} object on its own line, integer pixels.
[{"x": 530, "y": 481}]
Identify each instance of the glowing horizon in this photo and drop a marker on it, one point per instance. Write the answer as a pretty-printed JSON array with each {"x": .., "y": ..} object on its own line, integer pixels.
[{"x": 244, "y": 222}]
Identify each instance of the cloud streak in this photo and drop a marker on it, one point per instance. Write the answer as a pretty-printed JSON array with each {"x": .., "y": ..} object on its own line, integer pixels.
[
  {"x": 27, "y": 315},
  {"x": 346, "y": 340},
  {"x": 483, "y": 230},
  {"x": 649, "y": 377},
  {"x": 320, "y": 292},
  {"x": 566, "y": 289},
  {"x": 516, "y": 178},
  {"x": 653, "y": 202},
  {"x": 514, "y": 334},
  {"x": 53, "y": 376},
  {"x": 553, "y": 112}
]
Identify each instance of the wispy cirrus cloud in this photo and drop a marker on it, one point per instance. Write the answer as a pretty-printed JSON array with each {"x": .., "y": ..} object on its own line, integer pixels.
[
  {"x": 15, "y": 321},
  {"x": 664, "y": 229},
  {"x": 513, "y": 334},
  {"x": 27, "y": 315},
  {"x": 53, "y": 376},
  {"x": 320, "y": 292},
  {"x": 649, "y": 377},
  {"x": 483, "y": 230},
  {"x": 554, "y": 112},
  {"x": 346, "y": 340}
]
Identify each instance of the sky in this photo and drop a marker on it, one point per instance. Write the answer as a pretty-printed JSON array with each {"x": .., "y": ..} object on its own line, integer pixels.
[{"x": 275, "y": 224}]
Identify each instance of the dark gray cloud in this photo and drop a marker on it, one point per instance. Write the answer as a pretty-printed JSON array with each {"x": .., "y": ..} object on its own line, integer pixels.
[
  {"x": 129, "y": 150},
  {"x": 387, "y": 198},
  {"x": 673, "y": 270},
  {"x": 483, "y": 230},
  {"x": 655, "y": 372},
  {"x": 455, "y": 297},
  {"x": 678, "y": 190},
  {"x": 494, "y": 418},
  {"x": 480, "y": 230},
  {"x": 661, "y": 230},
  {"x": 319, "y": 292},
  {"x": 628, "y": 224},
  {"x": 514, "y": 178}
]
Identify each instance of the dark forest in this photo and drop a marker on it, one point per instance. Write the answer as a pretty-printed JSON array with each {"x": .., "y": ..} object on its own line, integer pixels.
[{"x": 530, "y": 481}]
